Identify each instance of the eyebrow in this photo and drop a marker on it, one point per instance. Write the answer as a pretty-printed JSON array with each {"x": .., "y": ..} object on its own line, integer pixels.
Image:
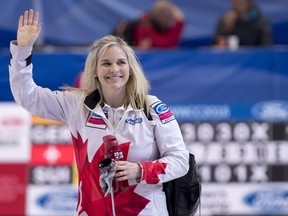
[{"x": 107, "y": 60}]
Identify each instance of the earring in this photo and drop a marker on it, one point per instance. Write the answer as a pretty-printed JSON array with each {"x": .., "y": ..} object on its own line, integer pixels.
[{"x": 95, "y": 75}]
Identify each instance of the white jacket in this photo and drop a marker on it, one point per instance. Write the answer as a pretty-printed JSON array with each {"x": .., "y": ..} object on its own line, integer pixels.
[{"x": 157, "y": 144}]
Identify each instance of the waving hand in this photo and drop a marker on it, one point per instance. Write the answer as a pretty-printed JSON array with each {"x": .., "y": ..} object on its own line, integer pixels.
[{"x": 28, "y": 28}]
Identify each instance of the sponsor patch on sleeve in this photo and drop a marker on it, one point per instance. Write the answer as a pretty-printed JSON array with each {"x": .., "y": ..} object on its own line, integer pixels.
[
  {"x": 163, "y": 111},
  {"x": 95, "y": 121}
]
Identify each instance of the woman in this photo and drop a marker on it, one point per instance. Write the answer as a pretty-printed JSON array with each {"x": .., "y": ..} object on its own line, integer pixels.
[
  {"x": 160, "y": 27},
  {"x": 113, "y": 103}
]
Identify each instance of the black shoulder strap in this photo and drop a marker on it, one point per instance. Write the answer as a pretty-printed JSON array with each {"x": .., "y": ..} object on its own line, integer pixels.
[{"x": 147, "y": 113}]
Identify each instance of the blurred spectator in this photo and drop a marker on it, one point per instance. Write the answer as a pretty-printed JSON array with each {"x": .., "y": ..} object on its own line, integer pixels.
[
  {"x": 161, "y": 27},
  {"x": 245, "y": 21}
]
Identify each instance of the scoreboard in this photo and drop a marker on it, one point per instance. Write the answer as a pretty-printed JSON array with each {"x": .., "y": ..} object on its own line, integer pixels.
[
  {"x": 241, "y": 156},
  {"x": 239, "y": 151}
]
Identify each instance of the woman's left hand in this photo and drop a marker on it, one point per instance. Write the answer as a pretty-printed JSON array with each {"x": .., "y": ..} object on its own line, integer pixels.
[{"x": 127, "y": 170}]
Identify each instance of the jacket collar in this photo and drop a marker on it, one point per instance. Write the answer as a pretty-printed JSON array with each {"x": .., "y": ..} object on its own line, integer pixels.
[{"x": 92, "y": 99}]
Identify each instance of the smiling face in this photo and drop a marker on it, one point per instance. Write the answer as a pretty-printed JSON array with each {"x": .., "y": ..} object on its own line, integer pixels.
[{"x": 113, "y": 71}]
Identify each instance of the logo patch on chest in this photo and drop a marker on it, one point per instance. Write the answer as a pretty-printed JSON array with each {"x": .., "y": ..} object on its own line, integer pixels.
[
  {"x": 134, "y": 121},
  {"x": 163, "y": 111},
  {"x": 95, "y": 121}
]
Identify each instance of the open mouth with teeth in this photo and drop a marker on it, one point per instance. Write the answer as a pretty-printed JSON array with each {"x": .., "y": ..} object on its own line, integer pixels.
[{"x": 114, "y": 77}]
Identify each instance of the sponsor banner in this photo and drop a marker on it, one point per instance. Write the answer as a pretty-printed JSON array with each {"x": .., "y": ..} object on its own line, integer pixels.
[
  {"x": 15, "y": 125},
  {"x": 13, "y": 181},
  {"x": 51, "y": 175},
  {"x": 262, "y": 111},
  {"x": 45, "y": 132},
  {"x": 244, "y": 199},
  {"x": 51, "y": 200},
  {"x": 52, "y": 155}
]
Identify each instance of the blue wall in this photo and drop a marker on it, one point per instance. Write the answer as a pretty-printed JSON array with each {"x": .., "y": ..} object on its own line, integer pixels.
[
  {"x": 183, "y": 76},
  {"x": 75, "y": 22}
]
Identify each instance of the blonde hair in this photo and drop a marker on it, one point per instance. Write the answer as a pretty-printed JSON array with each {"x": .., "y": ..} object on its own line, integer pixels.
[{"x": 137, "y": 86}]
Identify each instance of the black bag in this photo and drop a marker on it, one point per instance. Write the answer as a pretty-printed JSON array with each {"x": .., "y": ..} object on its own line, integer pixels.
[{"x": 183, "y": 194}]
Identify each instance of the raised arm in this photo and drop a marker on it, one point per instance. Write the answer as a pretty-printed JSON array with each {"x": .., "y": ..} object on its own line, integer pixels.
[
  {"x": 39, "y": 101},
  {"x": 28, "y": 28}
]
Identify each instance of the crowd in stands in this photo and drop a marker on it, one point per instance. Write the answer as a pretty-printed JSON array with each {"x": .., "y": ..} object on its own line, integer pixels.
[{"x": 161, "y": 28}]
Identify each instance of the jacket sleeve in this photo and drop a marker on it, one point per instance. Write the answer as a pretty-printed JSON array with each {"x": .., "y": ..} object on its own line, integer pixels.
[
  {"x": 37, "y": 100},
  {"x": 174, "y": 157}
]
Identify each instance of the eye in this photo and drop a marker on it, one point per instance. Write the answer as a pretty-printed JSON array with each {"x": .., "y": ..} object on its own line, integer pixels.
[
  {"x": 106, "y": 63},
  {"x": 122, "y": 62}
]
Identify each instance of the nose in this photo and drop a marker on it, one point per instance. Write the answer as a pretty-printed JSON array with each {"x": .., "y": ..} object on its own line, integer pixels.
[{"x": 114, "y": 68}]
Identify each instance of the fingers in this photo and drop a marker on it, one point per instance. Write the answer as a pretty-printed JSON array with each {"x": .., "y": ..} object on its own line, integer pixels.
[
  {"x": 121, "y": 175},
  {"x": 20, "y": 23},
  {"x": 25, "y": 18},
  {"x": 29, "y": 18},
  {"x": 127, "y": 170},
  {"x": 35, "y": 18},
  {"x": 121, "y": 167},
  {"x": 39, "y": 28}
]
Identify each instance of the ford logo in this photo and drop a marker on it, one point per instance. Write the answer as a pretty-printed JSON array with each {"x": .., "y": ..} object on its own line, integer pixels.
[
  {"x": 161, "y": 108},
  {"x": 271, "y": 110},
  {"x": 58, "y": 201},
  {"x": 270, "y": 200}
]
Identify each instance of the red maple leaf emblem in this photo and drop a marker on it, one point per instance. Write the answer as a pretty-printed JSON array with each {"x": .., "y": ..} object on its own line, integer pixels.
[
  {"x": 152, "y": 170},
  {"x": 80, "y": 150},
  {"x": 93, "y": 201}
]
